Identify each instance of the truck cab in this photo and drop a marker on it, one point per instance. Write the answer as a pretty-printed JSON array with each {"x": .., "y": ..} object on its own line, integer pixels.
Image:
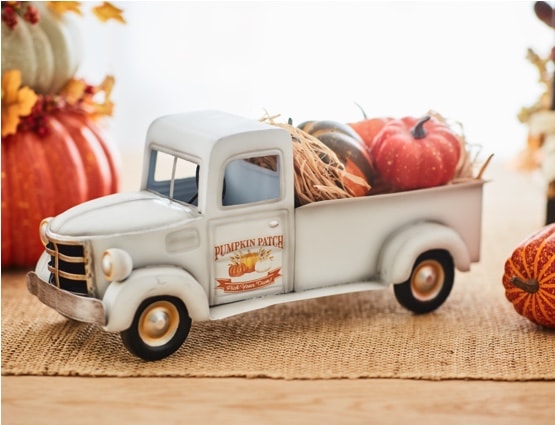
[{"x": 245, "y": 211}]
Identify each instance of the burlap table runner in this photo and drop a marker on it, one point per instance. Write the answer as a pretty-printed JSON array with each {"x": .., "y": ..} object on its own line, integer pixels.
[{"x": 475, "y": 335}]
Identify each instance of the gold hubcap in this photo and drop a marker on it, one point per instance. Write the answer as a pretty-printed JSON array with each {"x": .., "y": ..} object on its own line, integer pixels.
[
  {"x": 158, "y": 323},
  {"x": 427, "y": 280}
]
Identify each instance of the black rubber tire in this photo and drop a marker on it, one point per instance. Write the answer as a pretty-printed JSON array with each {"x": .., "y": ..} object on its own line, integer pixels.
[
  {"x": 146, "y": 343},
  {"x": 440, "y": 269}
]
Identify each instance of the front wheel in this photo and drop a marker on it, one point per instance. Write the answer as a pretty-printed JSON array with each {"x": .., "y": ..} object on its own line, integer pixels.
[
  {"x": 429, "y": 284},
  {"x": 160, "y": 327}
]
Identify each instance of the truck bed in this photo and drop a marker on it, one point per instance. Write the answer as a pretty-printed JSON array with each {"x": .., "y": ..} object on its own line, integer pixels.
[{"x": 339, "y": 241}]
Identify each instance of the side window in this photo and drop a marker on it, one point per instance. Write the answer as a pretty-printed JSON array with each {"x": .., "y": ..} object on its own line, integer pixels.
[
  {"x": 253, "y": 179},
  {"x": 173, "y": 177}
]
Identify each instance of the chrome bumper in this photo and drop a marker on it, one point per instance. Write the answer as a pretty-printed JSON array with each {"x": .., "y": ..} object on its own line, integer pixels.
[{"x": 82, "y": 309}]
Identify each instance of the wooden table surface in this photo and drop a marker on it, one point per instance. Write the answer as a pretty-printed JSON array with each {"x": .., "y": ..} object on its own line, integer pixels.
[{"x": 77, "y": 400}]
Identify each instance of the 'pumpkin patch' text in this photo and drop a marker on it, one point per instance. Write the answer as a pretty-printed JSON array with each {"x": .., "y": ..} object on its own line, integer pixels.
[{"x": 227, "y": 248}]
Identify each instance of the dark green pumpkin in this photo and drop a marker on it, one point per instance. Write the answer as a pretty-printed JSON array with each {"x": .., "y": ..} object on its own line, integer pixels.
[{"x": 349, "y": 148}]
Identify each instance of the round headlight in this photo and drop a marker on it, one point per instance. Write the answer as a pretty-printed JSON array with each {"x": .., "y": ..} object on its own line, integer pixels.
[
  {"x": 43, "y": 226},
  {"x": 116, "y": 264}
]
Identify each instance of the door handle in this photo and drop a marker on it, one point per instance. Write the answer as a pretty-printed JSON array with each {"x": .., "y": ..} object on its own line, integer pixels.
[{"x": 273, "y": 223}]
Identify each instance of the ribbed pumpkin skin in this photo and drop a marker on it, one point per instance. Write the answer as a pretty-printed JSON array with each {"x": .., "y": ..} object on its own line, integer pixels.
[
  {"x": 533, "y": 259},
  {"x": 44, "y": 176},
  {"x": 369, "y": 128},
  {"x": 47, "y": 53}
]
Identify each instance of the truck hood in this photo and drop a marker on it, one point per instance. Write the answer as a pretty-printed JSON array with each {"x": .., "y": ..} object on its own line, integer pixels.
[{"x": 121, "y": 213}]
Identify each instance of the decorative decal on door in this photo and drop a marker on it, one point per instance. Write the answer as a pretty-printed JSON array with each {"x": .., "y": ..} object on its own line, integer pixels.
[{"x": 248, "y": 264}]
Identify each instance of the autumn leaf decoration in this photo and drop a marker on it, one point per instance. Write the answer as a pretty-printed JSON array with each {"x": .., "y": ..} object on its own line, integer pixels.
[
  {"x": 22, "y": 108},
  {"x": 107, "y": 11},
  {"x": 61, "y": 7},
  {"x": 93, "y": 100},
  {"x": 17, "y": 101},
  {"x": 104, "y": 12}
]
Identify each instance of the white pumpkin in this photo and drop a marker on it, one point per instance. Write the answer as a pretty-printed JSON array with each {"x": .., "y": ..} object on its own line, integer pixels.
[
  {"x": 47, "y": 53},
  {"x": 262, "y": 266}
]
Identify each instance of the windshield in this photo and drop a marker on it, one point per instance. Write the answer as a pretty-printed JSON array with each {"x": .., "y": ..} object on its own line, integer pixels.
[{"x": 173, "y": 177}]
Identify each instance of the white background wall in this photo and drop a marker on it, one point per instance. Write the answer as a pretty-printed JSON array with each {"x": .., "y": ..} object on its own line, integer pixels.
[{"x": 314, "y": 60}]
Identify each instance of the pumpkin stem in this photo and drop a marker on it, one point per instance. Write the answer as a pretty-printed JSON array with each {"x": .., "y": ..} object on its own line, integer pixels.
[
  {"x": 418, "y": 131},
  {"x": 530, "y": 285},
  {"x": 361, "y": 110}
]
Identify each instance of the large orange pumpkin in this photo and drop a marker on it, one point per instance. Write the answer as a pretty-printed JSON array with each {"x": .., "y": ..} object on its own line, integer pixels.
[
  {"x": 529, "y": 277},
  {"x": 47, "y": 174}
]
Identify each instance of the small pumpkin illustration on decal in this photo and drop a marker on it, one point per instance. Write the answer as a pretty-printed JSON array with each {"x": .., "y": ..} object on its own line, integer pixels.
[
  {"x": 264, "y": 262},
  {"x": 250, "y": 262}
]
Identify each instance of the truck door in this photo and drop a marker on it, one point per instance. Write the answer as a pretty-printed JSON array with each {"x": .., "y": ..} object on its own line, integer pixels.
[{"x": 250, "y": 238}]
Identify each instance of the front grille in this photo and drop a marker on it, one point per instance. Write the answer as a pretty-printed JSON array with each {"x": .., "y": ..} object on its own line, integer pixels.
[{"x": 69, "y": 267}]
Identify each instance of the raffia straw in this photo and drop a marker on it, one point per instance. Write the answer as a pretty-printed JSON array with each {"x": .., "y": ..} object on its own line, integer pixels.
[{"x": 319, "y": 174}]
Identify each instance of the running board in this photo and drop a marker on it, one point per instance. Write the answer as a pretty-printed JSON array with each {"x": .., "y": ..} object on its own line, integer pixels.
[{"x": 239, "y": 307}]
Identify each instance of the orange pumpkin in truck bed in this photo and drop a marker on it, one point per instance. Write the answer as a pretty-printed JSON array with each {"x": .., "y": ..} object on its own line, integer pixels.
[
  {"x": 415, "y": 153},
  {"x": 369, "y": 128}
]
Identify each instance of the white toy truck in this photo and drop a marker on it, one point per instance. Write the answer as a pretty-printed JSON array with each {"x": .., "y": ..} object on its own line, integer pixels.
[{"x": 211, "y": 234}]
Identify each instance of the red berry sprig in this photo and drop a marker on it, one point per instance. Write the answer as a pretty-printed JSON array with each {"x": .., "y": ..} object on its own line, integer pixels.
[
  {"x": 37, "y": 120},
  {"x": 9, "y": 16},
  {"x": 11, "y": 10},
  {"x": 31, "y": 15}
]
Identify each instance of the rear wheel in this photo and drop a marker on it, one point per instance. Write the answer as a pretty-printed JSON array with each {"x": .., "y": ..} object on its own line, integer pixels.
[
  {"x": 160, "y": 327},
  {"x": 430, "y": 282}
]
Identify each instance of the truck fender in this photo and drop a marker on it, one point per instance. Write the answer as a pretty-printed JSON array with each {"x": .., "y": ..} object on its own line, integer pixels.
[
  {"x": 401, "y": 250},
  {"x": 122, "y": 299}
]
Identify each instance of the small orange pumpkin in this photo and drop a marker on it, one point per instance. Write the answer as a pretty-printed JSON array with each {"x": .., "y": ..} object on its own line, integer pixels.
[
  {"x": 529, "y": 277},
  {"x": 43, "y": 175},
  {"x": 237, "y": 269}
]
